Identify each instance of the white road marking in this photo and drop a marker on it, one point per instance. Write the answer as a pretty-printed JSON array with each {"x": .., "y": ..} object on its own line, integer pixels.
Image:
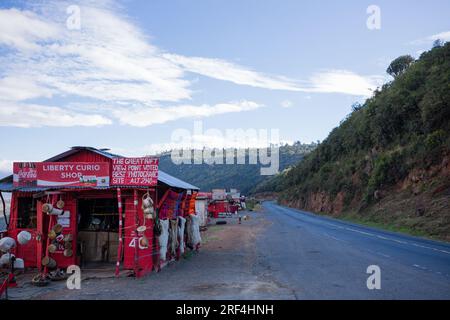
[
  {"x": 431, "y": 248},
  {"x": 362, "y": 232},
  {"x": 390, "y": 239},
  {"x": 378, "y": 236},
  {"x": 419, "y": 267},
  {"x": 384, "y": 255},
  {"x": 334, "y": 238}
]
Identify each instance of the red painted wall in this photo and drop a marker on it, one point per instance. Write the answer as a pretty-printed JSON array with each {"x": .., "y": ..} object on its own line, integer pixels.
[{"x": 35, "y": 249}]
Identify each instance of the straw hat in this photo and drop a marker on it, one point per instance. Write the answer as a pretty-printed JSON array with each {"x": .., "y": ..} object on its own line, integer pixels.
[
  {"x": 24, "y": 237},
  {"x": 7, "y": 243},
  {"x": 143, "y": 242},
  {"x": 141, "y": 228},
  {"x": 5, "y": 258},
  {"x": 40, "y": 280},
  {"x": 19, "y": 263},
  {"x": 68, "y": 237},
  {"x": 57, "y": 228},
  {"x": 149, "y": 216},
  {"x": 60, "y": 204},
  {"x": 51, "y": 248},
  {"x": 48, "y": 262},
  {"x": 47, "y": 207},
  {"x": 52, "y": 234},
  {"x": 148, "y": 210}
]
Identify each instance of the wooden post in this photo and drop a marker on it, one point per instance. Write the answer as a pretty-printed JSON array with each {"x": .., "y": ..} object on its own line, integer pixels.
[
  {"x": 51, "y": 223},
  {"x": 4, "y": 211},
  {"x": 136, "y": 235},
  {"x": 120, "y": 247},
  {"x": 155, "y": 238}
]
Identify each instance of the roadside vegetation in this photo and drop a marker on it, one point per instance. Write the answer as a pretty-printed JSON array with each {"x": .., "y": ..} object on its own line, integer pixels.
[
  {"x": 388, "y": 161},
  {"x": 253, "y": 204}
]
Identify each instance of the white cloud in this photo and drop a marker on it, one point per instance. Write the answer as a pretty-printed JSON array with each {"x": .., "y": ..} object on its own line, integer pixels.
[
  {"x": 109, "y": 59},
  {"x": 444, "y": 36},
  {"x": 18, "y": 88},
  {"x": 227, "y": 71},
  {"x": 32, "y": 115},
  {"x": 343, "y": 81},
  {"x": 24, "y": 29},
  {"x": 146, "y": 116},
  {"x": 332, "y": 81},
  {"x": 111, "y": 65},
  {"x": 6, "y": 166},
  {"x": 286, "y": 103}
]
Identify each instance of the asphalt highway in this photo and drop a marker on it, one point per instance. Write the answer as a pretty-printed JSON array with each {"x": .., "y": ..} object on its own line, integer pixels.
[{"x": 316, "y": 257}]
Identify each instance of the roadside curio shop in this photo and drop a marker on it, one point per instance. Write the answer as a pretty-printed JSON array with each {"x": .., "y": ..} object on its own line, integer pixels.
[{"x": 87, "y": 206}]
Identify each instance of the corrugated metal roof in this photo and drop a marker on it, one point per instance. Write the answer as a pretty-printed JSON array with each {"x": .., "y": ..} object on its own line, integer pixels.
[
  {"x": 6, "y": 184},
  {"x": 174, "y": 182},
  {"x": 74, "y": 150}
]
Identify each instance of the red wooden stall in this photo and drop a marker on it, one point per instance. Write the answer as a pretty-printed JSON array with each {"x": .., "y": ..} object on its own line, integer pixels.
[{"x": 105, "y": 223}]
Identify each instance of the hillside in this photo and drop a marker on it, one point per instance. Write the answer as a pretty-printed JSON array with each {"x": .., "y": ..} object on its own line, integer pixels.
[
  {"x": 388, "y": 162},
  {"x": 241, "y": 176}
]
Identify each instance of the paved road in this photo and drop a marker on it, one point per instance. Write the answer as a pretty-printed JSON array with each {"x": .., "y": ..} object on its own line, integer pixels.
[
  {"x": 323, "y": 258},
  {"x": 281, "y": 253}
]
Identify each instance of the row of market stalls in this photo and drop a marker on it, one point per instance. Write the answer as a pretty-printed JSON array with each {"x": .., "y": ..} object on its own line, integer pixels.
[
  {"x": 223, "y": 203},
  {"x": 89, "y": 206}
]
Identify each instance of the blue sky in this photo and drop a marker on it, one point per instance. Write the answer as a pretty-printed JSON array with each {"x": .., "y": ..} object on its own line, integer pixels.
[{"x": 134, "y": 71}]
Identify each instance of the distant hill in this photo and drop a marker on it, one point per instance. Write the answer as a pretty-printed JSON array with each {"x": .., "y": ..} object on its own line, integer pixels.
[
  {"x": 388, "y": 162},
  {"x": 244, "y": 177}
]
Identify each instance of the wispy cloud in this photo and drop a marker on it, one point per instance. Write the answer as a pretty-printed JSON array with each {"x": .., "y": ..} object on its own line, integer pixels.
[
  {"x": 19, "y": 87},
  {"x": 113, "y": 73},
  {"x": 327, "y": 81},
  {"x": 144, "y": 116},
  {"x": 227, "y": 71},
  {"x": 343, "y": 81},
  {"x": 286, "y": 103},
  {"x": 34, "y": 115},
  {"x": 444, "y": 36},
  {"x": 24, "y": 30}
]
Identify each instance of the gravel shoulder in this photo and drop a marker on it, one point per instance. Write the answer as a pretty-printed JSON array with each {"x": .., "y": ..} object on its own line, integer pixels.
[{"x": 226, "y": 267}]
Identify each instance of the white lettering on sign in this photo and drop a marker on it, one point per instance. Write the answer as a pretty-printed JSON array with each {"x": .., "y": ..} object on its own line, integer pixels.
[
  {"x": 70, "y": 167},
  {"x": 134, "y": 171},
  {"x": 132, "y": 243}
]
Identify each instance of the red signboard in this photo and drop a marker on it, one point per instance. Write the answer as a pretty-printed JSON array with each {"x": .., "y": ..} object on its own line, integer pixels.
[
  {"x": 135, "y": 171},
  {"x": 72, "y": 174},
  {"x": 24, "y": 174}
]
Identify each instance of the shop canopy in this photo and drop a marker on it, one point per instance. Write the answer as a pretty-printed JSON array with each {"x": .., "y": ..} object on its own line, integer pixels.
[{"x": 6, "y": 184}]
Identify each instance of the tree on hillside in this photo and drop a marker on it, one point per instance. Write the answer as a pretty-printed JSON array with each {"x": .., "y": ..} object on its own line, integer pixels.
[
  {"x": 399, "y": 65},
  {"x": 356, "y": 106},
  {"x": 438, "y": 43}
]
